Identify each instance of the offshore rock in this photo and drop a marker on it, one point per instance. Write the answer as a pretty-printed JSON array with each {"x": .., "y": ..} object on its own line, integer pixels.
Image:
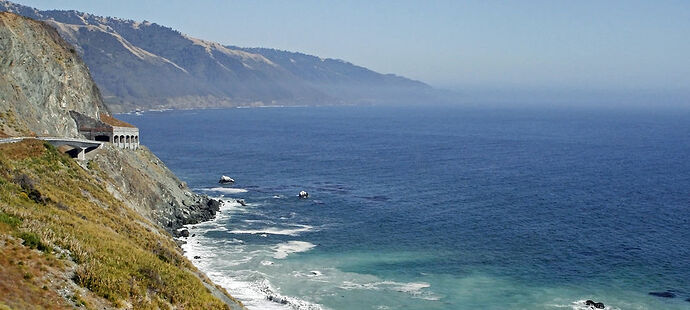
[{"x": 226, "y": 179}]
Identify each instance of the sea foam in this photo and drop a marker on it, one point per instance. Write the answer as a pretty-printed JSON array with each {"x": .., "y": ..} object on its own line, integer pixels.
[
  {"x": 226, "y": 190},
  {"x": 282, "y": 250},
  {"x": 275, "y": 230}
]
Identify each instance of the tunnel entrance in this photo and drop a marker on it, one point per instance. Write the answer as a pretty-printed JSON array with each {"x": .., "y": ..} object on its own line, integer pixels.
[{"x": 102, "y": 138}]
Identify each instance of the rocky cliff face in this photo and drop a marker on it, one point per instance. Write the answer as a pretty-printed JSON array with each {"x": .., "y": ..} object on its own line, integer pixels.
[
  {"x": 146, "y": 65},
  {"x": 42, "y": 78},
  {"x": 145, "y": 184}
]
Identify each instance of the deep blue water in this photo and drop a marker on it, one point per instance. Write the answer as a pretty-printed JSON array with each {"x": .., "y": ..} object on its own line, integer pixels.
[{"x": 441, "y": 207}]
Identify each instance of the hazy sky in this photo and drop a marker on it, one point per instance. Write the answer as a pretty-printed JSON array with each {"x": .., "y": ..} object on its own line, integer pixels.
[{"x": 556, "y": 45}]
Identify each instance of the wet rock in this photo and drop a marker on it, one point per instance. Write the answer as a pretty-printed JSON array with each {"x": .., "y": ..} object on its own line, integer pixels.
[
  {"x": 663, "y": 294},
  {"x": 197, "y": 257},
  {"x": 213, "y": 204},
  {"x": 598, "y": 305},
  {"x": 184, "y": 233},
  {"x": 278, "y": 299},
  {"x": 225, "y": 180},
  {"x": 241, "y": 202}
]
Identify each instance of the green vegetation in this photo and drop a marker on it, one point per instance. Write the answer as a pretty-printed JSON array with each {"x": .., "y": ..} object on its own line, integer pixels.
[
  {"x": 9, "y": 220},
  {"x": 32, "y": 240},
  {"x": 57, "y": 207}
]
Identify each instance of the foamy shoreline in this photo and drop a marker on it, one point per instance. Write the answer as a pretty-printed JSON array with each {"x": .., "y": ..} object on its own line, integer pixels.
[{"x": 256, "y": 294}]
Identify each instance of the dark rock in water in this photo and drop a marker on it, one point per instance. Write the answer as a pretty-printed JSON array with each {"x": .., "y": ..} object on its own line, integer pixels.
[
  {"x": 213, "y": 204},
  {"x": 203, "y": 210},
  {"x": 193, "y": 235},
  {"x": 225, "y": 180},
  {"x": 241, "y": 201},
  {"x": 663, "y": 294},
  {"x": 303, "y": 195},
  {"x": 184, "y": 233},
  {"x": 598, "y": 305},
  {"x": 280, "y": 300},
  {"x": 197, "y": 257}
]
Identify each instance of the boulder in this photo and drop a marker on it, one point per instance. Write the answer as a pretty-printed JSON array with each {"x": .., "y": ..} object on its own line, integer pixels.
[
  {"x": 197, "y": 257},
  {"x": 241, "y": 201},
  {"x": 213, "y": 205},
  {"x": 184, "y": 233}
]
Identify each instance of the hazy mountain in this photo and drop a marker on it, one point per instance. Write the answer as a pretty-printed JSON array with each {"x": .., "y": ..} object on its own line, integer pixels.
[{"x": 146, "y": 65}]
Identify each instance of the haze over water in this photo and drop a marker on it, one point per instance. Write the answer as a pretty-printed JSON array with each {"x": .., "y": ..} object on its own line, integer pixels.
[{"x": 438, "y": 207}]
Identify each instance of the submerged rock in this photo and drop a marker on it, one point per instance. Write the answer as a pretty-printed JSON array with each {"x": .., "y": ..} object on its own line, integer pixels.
[{"x": 663, "y": 294}]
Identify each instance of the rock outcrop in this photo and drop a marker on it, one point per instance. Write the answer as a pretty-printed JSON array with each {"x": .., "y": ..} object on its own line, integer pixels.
[
  {"x": 42, "y": 78},
  {"x": 145, "y": 184}
]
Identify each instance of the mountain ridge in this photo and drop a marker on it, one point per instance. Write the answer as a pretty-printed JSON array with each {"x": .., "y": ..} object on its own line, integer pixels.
[{"x": 144, "y": 65}]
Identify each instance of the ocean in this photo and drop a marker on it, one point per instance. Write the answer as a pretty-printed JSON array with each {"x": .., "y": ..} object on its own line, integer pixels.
[{"x": 438, "y": 207}]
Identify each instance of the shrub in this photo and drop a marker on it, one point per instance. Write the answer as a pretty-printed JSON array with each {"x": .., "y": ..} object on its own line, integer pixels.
[
  {"x": 33, "y": 241},
  {"x": 29, "y": 187},
  {"x": 25, "y": 182},
  {"x": 9, "y": 220}
]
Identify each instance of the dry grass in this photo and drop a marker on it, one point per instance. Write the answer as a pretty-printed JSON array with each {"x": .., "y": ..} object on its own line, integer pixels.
[
  {"x": 117, "y": 258},
  {"x": 25, "y": 277},
  {"x": 23, "y": 149}
]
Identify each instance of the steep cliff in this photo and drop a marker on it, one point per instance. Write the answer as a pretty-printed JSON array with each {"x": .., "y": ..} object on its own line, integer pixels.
[
  {"x": 41, "y": 79},
  {"x": 145, "y": 184},
  {"x": 94, "y": 233}
]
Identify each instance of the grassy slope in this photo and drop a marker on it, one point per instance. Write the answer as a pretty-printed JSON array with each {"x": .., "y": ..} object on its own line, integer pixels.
[{"x": 50, "y": 203}]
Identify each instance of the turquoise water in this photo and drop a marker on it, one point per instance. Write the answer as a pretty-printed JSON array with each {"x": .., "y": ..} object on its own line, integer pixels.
[{"x": 438, "y": 207}]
